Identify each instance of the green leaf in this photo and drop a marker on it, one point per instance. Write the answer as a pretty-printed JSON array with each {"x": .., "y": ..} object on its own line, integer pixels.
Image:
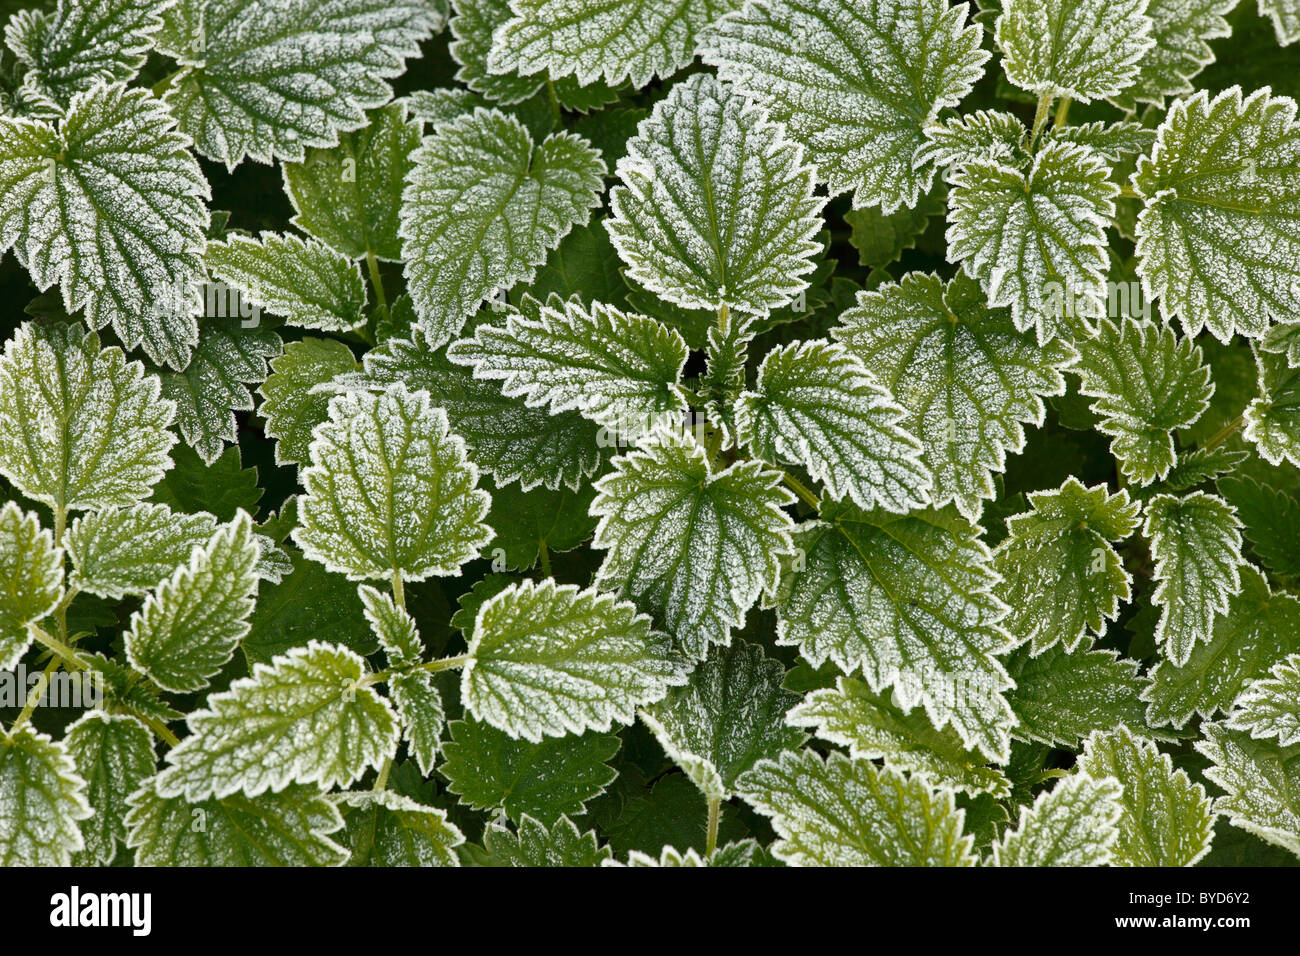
[
  {"x": 420, "y": 710},
  {"x": 966, "y": 378},
  {"x": 80, "y": 426},
  {"x": 390, "y": 490},
  {"x": 1148, "y": 383},
  {"x": 290, "y": 405},
  {"x": 1286, "y": 19},
  {"x": 1196, "y": 545},
  {"x": 31, "y": 569},
  {"x": 534, "y": 844},
  {"x": 856, "y": 83},
  {"x": 816, "y": 403},
  {"x": 1262, "y": 781},
  {"x": 483, "y": 205},
  {"x": 1180, "y": 29},
  {"x": 110, "y": 206},
  {"x": 845, "y": 812},
  {"x": 715, "y": 206},
  {"x": 264, "y": 81},
  {"x": 309, "y": 603},
  {"x": 692, "y": 545},
  {"x": 387, "y": 829},
  {"x": 1114, "y": 141},
  {"x": 1271, "y": 519},
  {"x": 489, "y": 770},
  {"x": 1273, "y": 420},
  {"x": 1270, "y": 706},
  {"x": 290, "y": 828},
  {"x": 1283, "y": 338},
  {"x": 547, "y": 660},
  {"x": 1076, "y": 823},
  {"x": 113, "y": 753},
  {"x": 987, "y": 136},
  {"x": 307, "y": 717},
  {"x": 394, "y": 627},
  {"x": 881, "y": 239},
  {"x": 726, "y": 718},
  {"x": 907, "y": 599},
  {"x": 1203, "y": 464},
  {"x": 42, "y": 798},
  {"x": 1218, "y": 241},
  {"x": 528, "y": 521},
  {"x": 221, "y": 488}
]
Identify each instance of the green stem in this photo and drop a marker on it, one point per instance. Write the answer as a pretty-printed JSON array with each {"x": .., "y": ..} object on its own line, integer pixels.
[
  {"x": 1128, "y": 192},
  {"x": 1040, "y": 116},
  {"x": 544, "y": 558},
  {"x": 376, "y": 280},
  {"x": 161, "y": 729},
  {"x": 724, "y": 318},
  {"x": 34, "y": 696},
  {"x": 165, "y": 83},
  {"x": 553, "y": 100},
  {"x": 442, "y": 664},
  {"x": 382, "y": 780},
  {"x": 715, "y": 815},
  {"x": 399, "y": 590},
  {"x": 1223, "y": 434},
  {"x": 64, "y": 651},
  {"x": 800, "y": 489},
  {"x": 1062, "y": 111}
]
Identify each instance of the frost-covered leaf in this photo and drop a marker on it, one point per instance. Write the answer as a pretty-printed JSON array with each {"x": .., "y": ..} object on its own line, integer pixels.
[
  {"x": 42, "y": 798},
  {"x": 620, "y": 370},
  {"x": 1273, "y": 420},
  {"x": 874, "y": 728},
  {"x": 290, "y": 828},
  {"x": 1283, "y": 338},
  {"x": 845, "y": 812},
  {"x": 856, "y": 82},
  {"x": 534, "y": 844},
  {"x": 692, "y": 545},
  {"x": 1061, "y": 576},
  {"x": 290, "y": 406},
  {"x": 390, "y": 490},
  {"x": 484, "y": 203},
  {"x": 908, "y": 600},
  {"x": 489, "y": 770},
  {"x": 1200, "y": 465},
  {"x": 113, "y": 753},
  {"x": 1083, "y": 49},
  {"x": 420, "y": 710},
  {"x": 388, "y": 829},
  {"x": 268, "y": 79},
  {"x": 1270, "y": 706},
  {"x": 989, "y": 136},
  {"x": 80, "y": 426},
  {"x": 307, "y": 717},
  {"x": 1196, "y": 545},
  {"x": 110, "y": 206},
  {"x": 1114, "y": 141},
  {"x": 715, "y": 205},
  {"x": 546, "y": 660},
  {"x": 1263, "y": 784},
  {"x": 1148, "y": 383},
  {"x": 1076, "y": 823},
  {"x": 967, "y": 379},
  {"x": 817, "y": 404},
  {"x": 728, "y": 716},
  {"x": 394, "y": 627},
  {"x": 1166, "y": 820},
  {"x": 1181, "y": 29},
  {"x": 1218, "y": 241},
  {"x": 31, "y": 580},
  {"x": 305, "y": 282},
  {"x": 1036, "y": 240},
  {"x": 1285, "y": 15}
]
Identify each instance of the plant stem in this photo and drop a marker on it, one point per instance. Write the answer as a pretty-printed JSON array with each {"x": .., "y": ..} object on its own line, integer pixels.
[
  {"x": 544, "y": 558},
  {"x": 399, "y": 590},
  {"x": 715, "y": 815},
  {"x": 1040, "y": 116},
  {"x": 382, "y": 780},
  {"x": 442, "y": 664},
  {"x": 1222, "y": 435},
  {"x": 800, "y": 489},
  {"x": 724, "y": 318},
  {"x": 62, "y": 650},
  {"x": 161, "y": 729},
  {"x": 552, "y": 100},
  {"x": 34, "y": 695},
  {"x": 1062, "y": 111},
  {"x": 376, "y": 280}
]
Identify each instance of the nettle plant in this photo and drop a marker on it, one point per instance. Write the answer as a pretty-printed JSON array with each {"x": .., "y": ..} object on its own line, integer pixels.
[{"x": 806, "y": 432}]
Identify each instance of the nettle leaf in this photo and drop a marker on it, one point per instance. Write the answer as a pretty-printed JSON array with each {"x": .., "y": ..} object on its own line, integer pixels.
[
  {"x": 350, "y": 196},
  {"x": 1259, "y": 628},
  {"x": 80, "y": 426},
  {"x": 817, "y": 404},
  {"x": 1036, "y": 240},
  {"x": 1270, "y": 706},
  {"x": 693, "y": 545},
  {"x": 1167, "y": 820},
  {"x": 1114, "y": 141},
  {"x": 715, "y": 206},
  {"x": 908, "y": 600},
  {"x": 483, "y": 205},
  {"x": 390, "y": 491},
  {"x": 291, "y": 405},
  {"x": 31, "y": 569},
  {"x": 966, "y": 378},
  {"x": 267, "y": 80},
  {"x": 290, "y": 828},
  {"x": 856, "y": 83},
  {"x": 990, "y": 136},
  {"x": 544, "y": 780},
  {"x": 726, "y": 355},
  {"x": 1083, "y": 49},
  {"x": 1076, "y": 823},
  {"x": 534, "y": 844},
  {"x": 1060, "y": 575},
  {"x": 528, "y": 522},
  {"x": 874, "y": 728},
  {"x": 1285, "y": 17},
  {"x": 1262, "y": 781},
  {"x": 1273, "y": 420},
  {"x": 309, "y": 603},
  {"x": 1283, "y": 338},
  {"x": 546, "y": 660},
  {"x": 1271, "y": 520},
  {"x": 393, "y": 625},
  {"x": 620, "y": 370},
  {"x": 307, "y": 717},
  {"x": 727, "y": 717},
  {"x": 1196, "y": 545},
  {"x": 845, "y": 812},
  {"x": 1148, "y": 383},
  {"x": 1218, "y": 241},
  {"x": 881, "y": 239},
  {"x": 42, "y": 799},
  {"x": 113, "y": 753},
  {"x": 228, "y": 358},
  {"x": 192, "y": 622},
  {"x": 1180, "y": 29},
  {"x": 388, "y": 829},
  {"x": 110, "y": 205},
  {"x": 420, "y": 710}
]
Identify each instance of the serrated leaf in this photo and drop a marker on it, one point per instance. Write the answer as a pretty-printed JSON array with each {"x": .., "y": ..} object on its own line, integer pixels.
[
  {"x": 845, "y": 812},
  {"x": 693, "y": 545},
  {"x": 1272, "y": 421},
  {"x": 419, "y": 708},
  {"x": 547, "y": 660},
  {"x": 967, "y": 379},
  {"x": 110, "y": 206},
  {"x": 291, "y": 408},
  {"x": 1076, "y": 823},
  {"x": 388, "y": 829},
  {"x": 534, "y": 844},
  {"x": 989, "y": 136},
  {"x": 307, "y": 717},
  {"x": 1283, "y": 338},
  {"x": 1271, "y": 520},
  {"x": 309, "y": 603},
  {"x": 1270, "y": 706},
  {"x": 1180, "y": 29},
  {"x": 1218, "y": 241},
  {"x": 1262, "y": 781},
  {"x": 1201, "y": 465},
  {"x": 80, "y": 426},
  {"x": 484, "y": 202},
  {"x": 856, "y": 83},
  {"x": 530, "y": 522},
  {"x": 394, "y": 627},
  {"x": 42, "y": 799},
  {"x": 31, "y": 572},
  {"x": 882, "y": 239},
  {"x": 221, "y": 488},
  {"x": 390, "y": 490},
  {"x": 113, "y": 753},
  {"x": 268, "y": 80},
  {"x": 1114, "y": 141}
]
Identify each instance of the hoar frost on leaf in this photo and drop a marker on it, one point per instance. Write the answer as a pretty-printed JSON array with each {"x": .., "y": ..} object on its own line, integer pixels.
[
  {"x": 1270, "y": 706},
  {"x": 114, "y": 754},
  {"x": 1272, "y": 421},
  {"x": 1262, "y": 780},
  {"x": 1076, "y": 823},
  {"x": 31, "y": 580},
  {"x": 42, "y": 799}
]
